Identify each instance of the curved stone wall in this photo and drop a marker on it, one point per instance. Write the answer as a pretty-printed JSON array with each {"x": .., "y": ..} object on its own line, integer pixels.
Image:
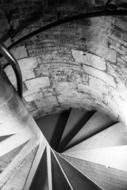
[{"x": 79, "y": 64}]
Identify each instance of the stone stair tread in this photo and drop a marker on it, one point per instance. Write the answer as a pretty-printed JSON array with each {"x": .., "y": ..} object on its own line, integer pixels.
[
  {"x": 59, "y": 179},
  {"x": 74, "y": 118},
  {"x": 115, "y": 135},
  {"x": 114, "y": 157},
  {"x": 38, "y": 182},
  {"x": 47, "y": 125},
  {"x": 18, "y": 178},
  {"x": 77, "y": 180},
  {"x": 98, "y": 122},
  {"x": 106, "y": 178},
  {"x": 40, "y": 154},
  {"x": 14, "y": 141}
]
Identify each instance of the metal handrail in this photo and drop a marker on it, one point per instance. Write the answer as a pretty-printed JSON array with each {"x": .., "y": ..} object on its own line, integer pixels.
[
  {"x": 108, "y": 10},
  {"x": 12, "y": 61}
]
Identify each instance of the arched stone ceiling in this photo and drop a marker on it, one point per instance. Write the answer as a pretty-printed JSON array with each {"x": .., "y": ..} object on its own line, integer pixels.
[{"x": 78, "y": 64}]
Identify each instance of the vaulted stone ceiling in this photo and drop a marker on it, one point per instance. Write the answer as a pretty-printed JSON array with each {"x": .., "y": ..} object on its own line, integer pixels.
[{"x": 77, "y": 64}]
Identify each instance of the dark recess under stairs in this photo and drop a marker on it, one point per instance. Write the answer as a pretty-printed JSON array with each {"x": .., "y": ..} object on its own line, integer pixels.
[{"x": 75, "y": 137}]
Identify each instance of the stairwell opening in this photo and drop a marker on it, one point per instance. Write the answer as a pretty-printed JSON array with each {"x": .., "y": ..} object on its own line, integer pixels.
[{"x": 80, "y": 66}]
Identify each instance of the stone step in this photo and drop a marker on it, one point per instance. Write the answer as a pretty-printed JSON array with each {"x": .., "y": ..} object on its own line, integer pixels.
[
  {"x": 98, "y": 122},
  {"x": 73, "y": 120},
  {"x": 19, "y": 176},
  {"x": 106, "y": 178},
  {"x": 76, "y": 119},
  {"x": 115, "y": 135},
  {"x": 14, "y": 141},
  {"x": 77, "y": 180},
  {"x": 36, "y": 163},
  {"x": 113, "y": 157},
  {"x": 59, "y": 179},
  {"x": 40, "y": 180},
  {"x": 47, "y": 125}
]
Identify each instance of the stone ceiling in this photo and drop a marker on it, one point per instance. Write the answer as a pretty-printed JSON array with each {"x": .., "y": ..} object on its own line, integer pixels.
[{"x": 78, "y": 64}]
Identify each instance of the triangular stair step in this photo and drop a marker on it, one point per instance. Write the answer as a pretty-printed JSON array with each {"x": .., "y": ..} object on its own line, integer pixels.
[
  {"x": 41, "y": 147},
  {"x": 98, "y": 122},
  {"x": 115, "y": 135},
  {"x": 106, "y": 178},
  {"x": 59, "y": 179},
  {"x": 47, "y": 125},
  {"x": 60, "y": 126},
  {"x": 2, "y": 138},
  {"x": 114, "y": 157},
  {"x": 19, "y": 175},
  {"x": 6, "y": 159},
  {"x": 76, "y": 119},
  {"x": 77, "y": 180},
  {"x": 7, "y": 129},
  {"x": 40, "y": 180},
  {"x": 14, "y": 141}
]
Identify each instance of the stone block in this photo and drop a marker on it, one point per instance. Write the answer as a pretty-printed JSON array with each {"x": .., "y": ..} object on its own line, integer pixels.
[
  {"x": 98, "y": 85},
  {"x": 90, "y": 91},
  {"x": 11, "y": 75},
  {"x": 118, "y": 50},
  {"x": 37, "y": 83},
  {"x": 89, "y": 59},
  {"x": 30, "y": 96},
  {"x": 42, "y": 70},
  {"x": 19, "y": 52},
  {"x": 109, "y": 80},
  {"x": 27, "y": 65},
  {"x": 46, "y": 103}
]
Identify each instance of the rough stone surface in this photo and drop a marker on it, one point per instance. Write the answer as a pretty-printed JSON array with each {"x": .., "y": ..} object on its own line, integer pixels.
[
  {"x": 78, "y": 64},
  {"x": 37, "y": 83},
  {"x": 19, "y": 52},
  {"x": 89, "y": 59},
  {"x": 100, "y": 75},
  {"x": 18, "y": 179},
  {"x": 27, "y": 66}
]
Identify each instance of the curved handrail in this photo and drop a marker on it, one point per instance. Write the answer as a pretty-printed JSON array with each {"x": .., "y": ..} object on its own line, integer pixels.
[
  {"x": 12, "y": 61},
  {"x": 109, "y": 11}
]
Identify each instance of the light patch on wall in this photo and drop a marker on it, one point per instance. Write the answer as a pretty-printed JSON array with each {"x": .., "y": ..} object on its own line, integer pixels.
[{"x": 89, "y": 59}]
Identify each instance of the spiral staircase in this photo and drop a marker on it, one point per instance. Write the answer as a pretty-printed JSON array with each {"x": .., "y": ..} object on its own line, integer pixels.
[
  {"x": 87, "y": 151},
  {"x": 72, "y": 150}
]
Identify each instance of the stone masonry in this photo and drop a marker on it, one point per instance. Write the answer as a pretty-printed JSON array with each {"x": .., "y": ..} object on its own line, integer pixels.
[{"x": 81, "y": 64}]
